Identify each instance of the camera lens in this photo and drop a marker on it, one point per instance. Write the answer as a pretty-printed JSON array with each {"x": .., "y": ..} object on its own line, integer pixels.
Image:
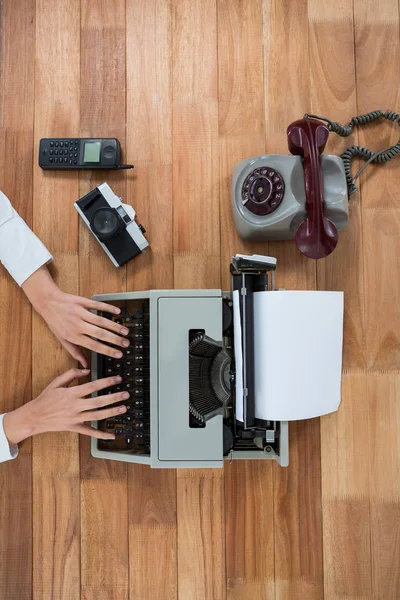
[{"x": 105, "y": 223}]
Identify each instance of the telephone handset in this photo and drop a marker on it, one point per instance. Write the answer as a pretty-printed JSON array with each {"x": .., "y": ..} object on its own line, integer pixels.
[
  {"x": 303, "y": 196},
  {"x": 316, "y": 235}
]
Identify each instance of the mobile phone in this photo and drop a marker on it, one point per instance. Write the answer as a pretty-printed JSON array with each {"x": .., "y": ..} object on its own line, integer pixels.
[{"x": 80, "y": 153}]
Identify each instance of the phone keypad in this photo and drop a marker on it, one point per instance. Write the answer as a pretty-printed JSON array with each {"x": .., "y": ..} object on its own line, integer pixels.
[{"x": 60, "y": 151}]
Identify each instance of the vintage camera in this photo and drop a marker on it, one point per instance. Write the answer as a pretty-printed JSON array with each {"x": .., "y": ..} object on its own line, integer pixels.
[{"x": 113, "y": 224}]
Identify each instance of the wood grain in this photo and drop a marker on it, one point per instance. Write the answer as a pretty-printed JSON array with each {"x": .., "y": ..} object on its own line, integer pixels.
[
  {"x": 196, "y": 228},
  {"x": 104, "y": 491},
  {"x": 345, "y": 482},
  {"x": 55, "y": 456},
  {"x": 151, "y": 493},
  {"x": 195, "y": 147},
  {"x": 297, "y": 489},
  {"x": 190, "y": 88},
  {"x": 377, "y": 85},
  {"x": 16, "y": 137},
  {"x": 345, "y": 461},
  {"x": 152, "y": 533},
  {"x": 200, "y": 509},
  {"x": 248, "y": 486},
  {"x": 384, "y": 418}
]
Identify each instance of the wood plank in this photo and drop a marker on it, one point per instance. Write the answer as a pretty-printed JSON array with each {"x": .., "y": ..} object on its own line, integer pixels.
[
  {"x": 248, "y": 484},
  {"x": 376, "y": 31},
  {"x": 104, "y": 547},
  {"x": 152, "y": 519},
  {"x": 151, "y": 493},
  {"x": 101, "y": 115},
  {"x": 377, "y": 58},
  {"x": 16, "y": 137},
  {"x": 55, "y": 456},
  {"x": 297, "y": 489},
  {"x": 195, "y": 145},
  {"x": 196, "y": 226},
  {"x": 345, "y": 483},
  {"x": 201, "y": 533},
  {"x": 333, "y": 95},
  {"x": 346, "y": 495},
  {"x": 249, "y": 522},
  {"x": 104, "y": 516},
  {"x": 384, "y": 406}
]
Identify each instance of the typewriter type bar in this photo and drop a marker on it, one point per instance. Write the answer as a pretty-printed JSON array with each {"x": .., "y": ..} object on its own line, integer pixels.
[{"x": 249, "y": 275}]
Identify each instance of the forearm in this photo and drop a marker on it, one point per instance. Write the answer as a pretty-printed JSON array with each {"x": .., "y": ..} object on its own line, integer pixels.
[
  {"x": 18, "y": 425},
  {"x": 39, "y": 288}
]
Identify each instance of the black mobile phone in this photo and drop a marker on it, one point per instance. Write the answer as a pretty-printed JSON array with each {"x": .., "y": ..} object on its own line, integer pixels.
[{"x": 80, "y": 153}]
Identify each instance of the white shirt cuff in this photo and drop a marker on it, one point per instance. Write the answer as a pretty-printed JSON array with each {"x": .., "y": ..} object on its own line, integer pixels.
[
  {"x": 21, "y": 252},
  {"x": 7, "y": 450}
]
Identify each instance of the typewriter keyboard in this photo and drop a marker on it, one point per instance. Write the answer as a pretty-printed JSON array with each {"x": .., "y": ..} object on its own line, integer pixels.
[{"x": 131, "y": 430}]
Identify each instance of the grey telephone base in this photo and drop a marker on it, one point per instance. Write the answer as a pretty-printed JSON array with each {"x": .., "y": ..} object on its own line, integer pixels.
[{"x": 282, "y": 223}]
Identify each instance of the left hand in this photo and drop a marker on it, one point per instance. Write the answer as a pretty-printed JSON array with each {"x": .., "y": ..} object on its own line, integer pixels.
[{"x": 71, "y": 321}]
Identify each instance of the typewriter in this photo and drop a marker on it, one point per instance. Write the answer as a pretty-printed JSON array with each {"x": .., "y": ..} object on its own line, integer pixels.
[{"x": 181, "y": 371}]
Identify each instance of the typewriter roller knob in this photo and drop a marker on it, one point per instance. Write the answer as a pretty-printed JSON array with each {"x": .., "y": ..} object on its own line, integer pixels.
[
  {"x": 226, "y": 316},
  {"x": 227, "y": 439}
]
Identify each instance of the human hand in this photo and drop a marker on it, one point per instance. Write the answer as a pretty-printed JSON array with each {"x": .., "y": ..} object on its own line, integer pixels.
[
  {"x": 63, "y": 408},
  {"x": 71, "y": 321}
]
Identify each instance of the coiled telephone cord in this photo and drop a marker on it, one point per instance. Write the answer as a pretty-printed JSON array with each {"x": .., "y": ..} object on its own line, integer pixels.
[{"x": 380, "y": 157}]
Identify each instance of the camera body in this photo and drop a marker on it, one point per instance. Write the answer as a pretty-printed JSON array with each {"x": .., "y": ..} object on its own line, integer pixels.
[
  {"x": 269, "y": 195},
  {"x": 113, "y": 224}
]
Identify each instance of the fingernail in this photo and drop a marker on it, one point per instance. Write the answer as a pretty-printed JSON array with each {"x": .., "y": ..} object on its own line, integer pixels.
[
  {"x": 117, "y": 310},
  {"x": 125, "y": 395},
  {"x": 118, "y": 378},
  {"x": 118, "y": 354},
  {"x": 122, "y": 409},
  {"x": 124, "y": 331},
  {"x": 110, "y": 437},
  {"x": 85, "y": 370},
  {"x": 126, "y": 343}
]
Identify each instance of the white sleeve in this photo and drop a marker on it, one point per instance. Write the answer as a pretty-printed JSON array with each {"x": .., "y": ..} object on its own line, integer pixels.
[
  {"x": 7, "y": 451},
  {"x": 21, "y": 252}
]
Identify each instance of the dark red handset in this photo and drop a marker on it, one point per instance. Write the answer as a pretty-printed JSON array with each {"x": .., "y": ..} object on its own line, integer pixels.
[{"x": 316, "y": 236}]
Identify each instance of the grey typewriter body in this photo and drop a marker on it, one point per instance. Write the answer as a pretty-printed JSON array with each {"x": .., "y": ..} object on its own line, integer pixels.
[{"x": 192, "y": 397}]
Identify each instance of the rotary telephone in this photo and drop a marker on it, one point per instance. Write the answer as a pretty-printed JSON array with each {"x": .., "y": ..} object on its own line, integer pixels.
[{"x": 304, "y": 196}]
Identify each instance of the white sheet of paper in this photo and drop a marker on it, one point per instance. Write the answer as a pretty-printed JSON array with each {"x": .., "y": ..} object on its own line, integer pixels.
[
  {"x": 238, "y": 356},
  {"x": 298, "y": 341}
]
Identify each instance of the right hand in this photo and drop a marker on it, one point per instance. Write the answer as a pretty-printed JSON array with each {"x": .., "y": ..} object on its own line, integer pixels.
[{"x": 63, "y": 408}]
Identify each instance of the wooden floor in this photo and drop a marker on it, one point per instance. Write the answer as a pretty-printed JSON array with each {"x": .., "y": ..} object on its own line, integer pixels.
[{"x": 190, "y": 87}]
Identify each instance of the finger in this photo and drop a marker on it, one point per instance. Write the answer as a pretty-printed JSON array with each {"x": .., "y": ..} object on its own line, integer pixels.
[
  {"x": 104, "y": 323},
  {"x": 88, "y": 404},
  {"x": 106, "y": 336},
  {"x": 106, "y": 413},
  {"x": 96, "y": 433},
  {"x": 87, "y": 389},
  {"x": 99, "y": 306},
  {"x": 87, "y": 342},
  {"x": 68, "y": 377},
  {"x": 76, "y": 353}
]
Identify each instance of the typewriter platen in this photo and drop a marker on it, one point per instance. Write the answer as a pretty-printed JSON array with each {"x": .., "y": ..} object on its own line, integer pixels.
[{"x": 180, "y": 371}]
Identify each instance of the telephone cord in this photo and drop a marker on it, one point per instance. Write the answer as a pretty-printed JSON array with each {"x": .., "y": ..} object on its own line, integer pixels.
[{"x": 380, "y": 157}]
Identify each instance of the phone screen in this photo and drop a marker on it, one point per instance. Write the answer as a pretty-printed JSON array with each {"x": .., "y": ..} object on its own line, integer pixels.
[{"x": 91, "y": 152}]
